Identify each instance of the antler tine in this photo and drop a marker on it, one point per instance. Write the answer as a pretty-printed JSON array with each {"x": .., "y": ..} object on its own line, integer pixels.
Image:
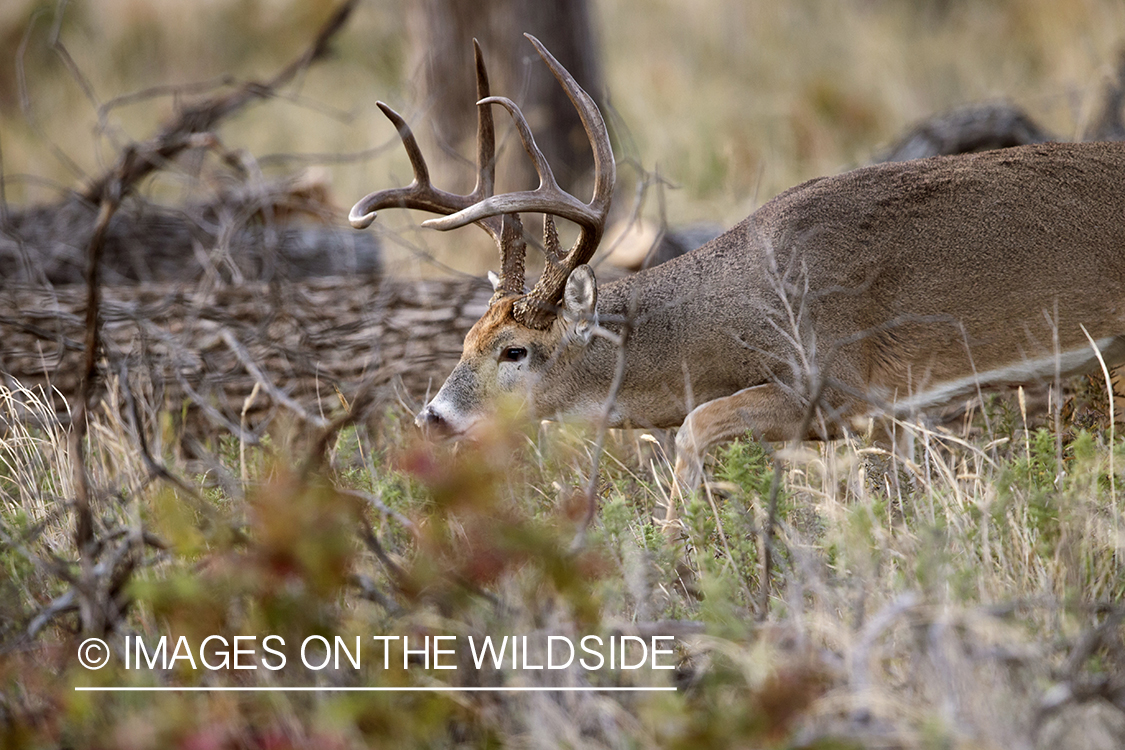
[
  {"x": 498, "y": 214},
  {"x": 421, "y": 194},
  {"x": 364, "y": 211},
  {"x": 605, "y": 169},
  {"x": 547, "y": 198},
  {"x": 486, "y": 133},
  {"x": 537, "y": 308},
  {"x": 513, "y": 248},
  {"x": 542, "y": 167}
]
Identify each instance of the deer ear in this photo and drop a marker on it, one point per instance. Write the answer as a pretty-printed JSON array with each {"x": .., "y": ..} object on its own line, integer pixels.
[
  {"x": 580, "y": 299},
  {"x": 581, "y": 294}
]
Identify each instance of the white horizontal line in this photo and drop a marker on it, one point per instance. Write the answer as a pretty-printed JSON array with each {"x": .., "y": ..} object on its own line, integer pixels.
[{"x": 313, "y": 689}]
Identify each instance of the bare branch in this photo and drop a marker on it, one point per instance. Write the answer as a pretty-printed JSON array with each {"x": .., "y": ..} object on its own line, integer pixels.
[{"x": 141, "y": 160}]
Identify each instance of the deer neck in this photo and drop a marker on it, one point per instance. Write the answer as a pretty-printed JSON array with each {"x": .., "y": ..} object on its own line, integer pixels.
[{"x": 648, "y": 321}]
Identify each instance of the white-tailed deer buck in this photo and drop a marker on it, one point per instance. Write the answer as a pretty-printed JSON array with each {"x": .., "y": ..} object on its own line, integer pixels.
[{"x": 889, "y": 288}]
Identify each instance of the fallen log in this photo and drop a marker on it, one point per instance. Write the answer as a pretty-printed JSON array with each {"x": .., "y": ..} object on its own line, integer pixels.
[{"x": 248, "y": 236}]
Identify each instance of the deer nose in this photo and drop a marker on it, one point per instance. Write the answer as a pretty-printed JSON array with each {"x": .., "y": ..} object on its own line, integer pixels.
[{"x": 432, "y": 423}]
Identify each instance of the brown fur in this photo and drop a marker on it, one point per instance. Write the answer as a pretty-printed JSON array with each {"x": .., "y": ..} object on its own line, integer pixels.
[{"x": 868, "y": 287}]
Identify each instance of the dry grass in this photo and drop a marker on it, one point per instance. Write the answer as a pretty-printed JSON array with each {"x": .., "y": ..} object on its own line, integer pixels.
[
  {"x": 738, "y": 101},
  {"x": 975, "y": 605}
]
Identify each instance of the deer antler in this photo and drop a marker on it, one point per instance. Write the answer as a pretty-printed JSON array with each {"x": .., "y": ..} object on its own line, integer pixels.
[
  {"x": 421, "y": 194},
  {"x": 499, "y": 214},
  {"x": 536, "y": 309},
  {"x": 506, "y": 230}
]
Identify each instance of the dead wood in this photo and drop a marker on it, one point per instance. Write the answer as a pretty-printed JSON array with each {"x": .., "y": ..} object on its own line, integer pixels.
[
  {"x": 104, "y": 570},
  {"x": 142, "y": 159},
  {"x": 976, "y": 128},
  {"x": 982, "y": 127},
  {"x": 233, "y": 235},
  {"x": 280, "y": 229},
  {"x": 1109, "y": 124},
  {"x": 313, "y": 341}
]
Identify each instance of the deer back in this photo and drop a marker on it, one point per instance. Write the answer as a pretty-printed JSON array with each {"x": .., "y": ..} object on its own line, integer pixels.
[{"x": 895, "y": 279}]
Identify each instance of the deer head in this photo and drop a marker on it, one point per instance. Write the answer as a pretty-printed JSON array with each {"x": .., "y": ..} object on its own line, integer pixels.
[{"x": 523, "y": 335}]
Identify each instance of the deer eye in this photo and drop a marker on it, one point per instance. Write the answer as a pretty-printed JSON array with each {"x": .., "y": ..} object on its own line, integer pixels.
[{"x": 513, "y": 354}]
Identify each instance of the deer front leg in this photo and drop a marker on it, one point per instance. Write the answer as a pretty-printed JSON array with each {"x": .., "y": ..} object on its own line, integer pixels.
[{"x": 765, "y": 410}]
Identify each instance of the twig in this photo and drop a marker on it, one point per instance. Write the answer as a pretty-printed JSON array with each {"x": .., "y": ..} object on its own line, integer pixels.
[
  {"x": 603, "y": 428},
  {"x": 140, "y": 160},
  {"x": 107, "y": 192},
  {"x": 1112, "y": 422},
  {"x": 771, "y": 514},
  {"x": 367, "y": 534},
  {"x": 92, "y": 620},
  {"x": 363, "y": 399},
  {"x": 871, "y": 631},
  {"x": 260, "y": 378},
  {"x": 155, "y": 468},
  {"x": 620, "y": 340},
  {"x": 368, "y": 590},
  {"x": 164, "y": 89},
  {"x": 1092, "y": 640},
  {"x": 25, "y": 101},
  {"x": 382, "y": 507},
  {"x": 196, "y": 398},
  {"x": 59, "y": 605},
  {"x": 60, "y": 49}
]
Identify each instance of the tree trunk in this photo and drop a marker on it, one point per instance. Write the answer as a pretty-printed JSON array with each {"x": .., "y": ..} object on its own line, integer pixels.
[{"x": 442, "y": 33}]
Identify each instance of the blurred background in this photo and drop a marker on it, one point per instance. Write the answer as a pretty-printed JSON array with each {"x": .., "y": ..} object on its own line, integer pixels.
[{"x": 729, "y": 101}]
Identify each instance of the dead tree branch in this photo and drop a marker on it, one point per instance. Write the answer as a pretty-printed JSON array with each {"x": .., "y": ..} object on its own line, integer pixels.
[{"x": 140, "y": 160}]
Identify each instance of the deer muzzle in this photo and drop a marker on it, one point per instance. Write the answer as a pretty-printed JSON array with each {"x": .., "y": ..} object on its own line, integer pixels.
[{"x": 433, "y": 424}]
